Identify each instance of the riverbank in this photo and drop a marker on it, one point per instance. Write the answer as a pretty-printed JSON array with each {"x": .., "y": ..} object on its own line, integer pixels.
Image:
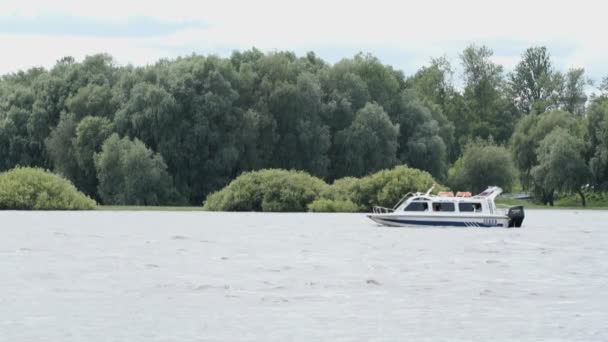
[
  {"x": 146, "y": 208},
  {"x": 562, "y": 203}
]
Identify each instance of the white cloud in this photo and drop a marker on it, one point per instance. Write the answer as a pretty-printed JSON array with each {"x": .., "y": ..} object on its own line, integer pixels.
[
  {"x": 420, "y": 30},
  {"x": 25, "y": 51}
]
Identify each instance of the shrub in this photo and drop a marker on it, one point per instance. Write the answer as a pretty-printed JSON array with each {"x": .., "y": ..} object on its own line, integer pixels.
[
  {"x": 30, "y": 188},
  {"x": 280, "y": 190},
  {"x": 267, "y": 190},
  {"x": 324, "y": 205},
  {"x": 341, "y": 189},
  {"x": 382, "y": 188},
  {"x": 385, "y": 188}
]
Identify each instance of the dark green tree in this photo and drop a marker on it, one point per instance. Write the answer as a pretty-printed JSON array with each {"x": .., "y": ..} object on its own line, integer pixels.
[
  {"x": 532, "y": 82},
  {"x": 597, "y": 128},
  {"x": 420, "y": 143},
  {"x": 368, "y": 145},
  {"x": 131, "y": 174},
  {"x": 561, "y": 166},
  {"x": 529, "y": 132},
  {"x": 483, "y": 164},
  {"x": 60, "y": 147},
  {"x": 488, "y": 113},
  {"x": 91, "y": 132},
  {"x": 573, "y": 97}
]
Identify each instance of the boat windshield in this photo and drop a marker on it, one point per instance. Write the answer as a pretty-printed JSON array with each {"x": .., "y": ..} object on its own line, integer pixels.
[{"x": 417, "y": 206}]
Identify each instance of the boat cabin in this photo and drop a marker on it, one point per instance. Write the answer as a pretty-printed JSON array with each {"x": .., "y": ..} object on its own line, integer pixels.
[{"x": 448, "y": 203}]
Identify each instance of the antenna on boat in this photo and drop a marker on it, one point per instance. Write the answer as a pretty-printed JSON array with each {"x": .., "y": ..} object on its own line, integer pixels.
[{"x": 431, "y": 189}]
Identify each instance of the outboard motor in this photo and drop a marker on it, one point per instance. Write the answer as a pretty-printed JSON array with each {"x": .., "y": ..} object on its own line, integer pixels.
[{"x": 516, "y": 216}]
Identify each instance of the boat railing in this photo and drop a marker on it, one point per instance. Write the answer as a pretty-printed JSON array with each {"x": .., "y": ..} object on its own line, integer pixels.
[
  {"x": 405, "y": 197},
  {"x": 382, "y": 210}
]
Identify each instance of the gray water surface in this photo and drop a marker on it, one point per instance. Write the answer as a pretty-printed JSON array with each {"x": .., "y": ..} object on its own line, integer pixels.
[{"x": 196, "y": 276}]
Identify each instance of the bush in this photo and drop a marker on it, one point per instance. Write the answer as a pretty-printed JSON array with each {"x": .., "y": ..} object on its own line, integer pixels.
[
  {"x": 324, "y": 205},
  {"x": 29, "y": 188},
  {"x": 385, "y": 188},
  {"x": 267, "y": 190},
  {"x": 280, "y": 190}
]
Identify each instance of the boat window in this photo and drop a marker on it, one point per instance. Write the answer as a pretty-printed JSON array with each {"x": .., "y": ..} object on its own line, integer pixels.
[
  {"x": 443, "y": 206},
  {"x": 417, "y": 206},
  {"x": 468, "y": 206}
]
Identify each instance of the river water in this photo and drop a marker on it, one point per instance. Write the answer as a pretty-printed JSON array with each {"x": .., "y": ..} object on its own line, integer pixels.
[{"x": 196, "y": 276}]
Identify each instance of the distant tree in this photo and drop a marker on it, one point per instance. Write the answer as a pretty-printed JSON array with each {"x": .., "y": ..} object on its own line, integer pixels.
[
  {"x": 91, "y": 132},
  {"x": 149, "y": 114},
  {"x": 532, "y": 81},
  {"x": 60, "y": 149},
  {"x": 433, "y": 85},
  {"x": 93, "y": 100},
  {"x": 597, "y": 128},
  {"x": 573, "y": 97},
  {"x": 528, "y": 134},
  {"x": 22, "y": 123},
  {"x": 434, "y": 82},
  {"x": 346, "y": 92},
  {"x": 561, "y": 165},
  {"x": 212, "y": 118},
  {"x": 304, "y": 139},
  {"x": 369, "y": 144},
  {"x": 487, "y": 110},
  {"x": 604, "y": 85},
  {"x": 483, "y": 164},
  {"x": 131, "y": 174},
  {"x": 383, "y": 82},
  {"x": 420, "y": 143}
]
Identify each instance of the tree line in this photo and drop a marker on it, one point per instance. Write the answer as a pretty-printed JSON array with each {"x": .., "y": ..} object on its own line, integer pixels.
[{"x": 175, "y": 131}]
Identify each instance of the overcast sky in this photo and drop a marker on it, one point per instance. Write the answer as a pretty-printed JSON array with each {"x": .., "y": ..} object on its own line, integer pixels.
[{"x": 39, "y": 32}]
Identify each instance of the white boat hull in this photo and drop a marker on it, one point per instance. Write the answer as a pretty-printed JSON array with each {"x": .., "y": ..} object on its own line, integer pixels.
[{"x": 401, "y": 220}]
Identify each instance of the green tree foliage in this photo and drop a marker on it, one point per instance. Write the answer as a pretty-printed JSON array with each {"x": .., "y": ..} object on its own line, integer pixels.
[
  {"x": 281, "y": 190},
  {"x": 482, "y": 164},
  {"x": 93, "y": 100},
  {"x": 420, "y": 143},
  {"x": 433, "y": 85},
  {"x": 572, "y": 90},
  {"x": 369, "y": 144},
  {"x": 561, "y": 166},
  {"x": 434, "y": 82},
  {"x": 533, "y": 82},
  {"x": 598, "y": 141},
  {"x": 323, "y": 205},
  {"x": 386, "y": 187},
  {"x": 267, "y": 190},
  {"x": 91, "y": 132},
  {"x": 213, "y": 118},
  {"x": 60, "y": 148},
  {"x": 488, "y": 111},
  {"x": 528, "y": 134},
  {"x": 27, "y": 188},
  {"x": 130, "y": 173}
]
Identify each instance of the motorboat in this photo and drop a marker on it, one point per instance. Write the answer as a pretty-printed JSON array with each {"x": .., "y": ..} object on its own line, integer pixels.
[{"x": 448, "y": 210}]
